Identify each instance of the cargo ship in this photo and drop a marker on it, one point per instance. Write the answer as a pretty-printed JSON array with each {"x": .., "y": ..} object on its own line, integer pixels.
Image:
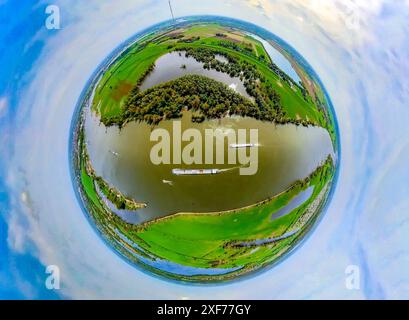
[
  {"x": 243, "y": 145},
  {"x": 195, "y": 172}
]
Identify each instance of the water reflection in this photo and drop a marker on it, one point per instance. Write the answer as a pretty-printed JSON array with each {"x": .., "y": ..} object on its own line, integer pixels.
[{"x": 175, "y": 65}]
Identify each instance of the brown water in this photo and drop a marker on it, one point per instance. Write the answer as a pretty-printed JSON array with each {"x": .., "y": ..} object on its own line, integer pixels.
[
  {"x": 122, "y": 158},
  {"x": 169, "y": 67}
]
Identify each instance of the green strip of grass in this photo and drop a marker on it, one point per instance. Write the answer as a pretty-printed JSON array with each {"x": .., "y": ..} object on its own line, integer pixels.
[
  {"x": 118, "y": 81},
  {"x": 201, "y": 239},
  {"x": 89, "y": 187}
]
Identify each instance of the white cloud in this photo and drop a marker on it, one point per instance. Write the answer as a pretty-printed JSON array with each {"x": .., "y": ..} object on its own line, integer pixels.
[
  {"x": 344, "y": 20},
  {"x": 3, "y": 106}
]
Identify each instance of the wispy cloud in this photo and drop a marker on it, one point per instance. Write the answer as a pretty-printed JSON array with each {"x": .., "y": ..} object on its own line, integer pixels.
[{"x": 3, "y": 106}]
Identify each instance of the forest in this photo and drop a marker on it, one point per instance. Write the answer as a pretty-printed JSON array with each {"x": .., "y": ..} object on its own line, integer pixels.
[
  {"x": 266, "y": 98},
  {"x": 209, "y": 99}
]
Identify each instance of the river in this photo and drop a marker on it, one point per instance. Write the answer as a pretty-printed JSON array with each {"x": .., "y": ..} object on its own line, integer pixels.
[{"x": 285, "y": 153}]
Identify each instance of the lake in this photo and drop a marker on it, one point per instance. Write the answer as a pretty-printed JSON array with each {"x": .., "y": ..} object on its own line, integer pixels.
[
  {"x": 169, "y": 67},
  {"x": 279, "y": 59}
]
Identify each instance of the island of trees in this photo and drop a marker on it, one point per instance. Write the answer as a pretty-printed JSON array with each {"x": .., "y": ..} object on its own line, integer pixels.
[{"x": 209, "y": 99}]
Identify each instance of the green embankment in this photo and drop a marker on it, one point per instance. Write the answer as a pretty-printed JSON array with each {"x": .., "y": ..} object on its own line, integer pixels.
[{"x": 89, "y": 187}]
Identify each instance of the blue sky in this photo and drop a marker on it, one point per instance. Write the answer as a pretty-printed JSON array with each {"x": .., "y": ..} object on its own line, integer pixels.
[
  {"x": 17, "y": 28},
  {"x": 359, "y": 49}
]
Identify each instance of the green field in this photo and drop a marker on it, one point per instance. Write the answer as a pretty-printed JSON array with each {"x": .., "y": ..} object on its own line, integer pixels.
[
  {"x": 202, "y": 240},
  {"x": 117, "y": 82}
]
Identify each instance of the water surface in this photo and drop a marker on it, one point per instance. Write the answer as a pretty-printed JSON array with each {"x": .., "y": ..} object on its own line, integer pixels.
[
  {"x": 295, "y": 203},
  {"x": 175, "y": 65},
  {"x": 286, "y": 153},
  {"x": 279, "y": 59}
]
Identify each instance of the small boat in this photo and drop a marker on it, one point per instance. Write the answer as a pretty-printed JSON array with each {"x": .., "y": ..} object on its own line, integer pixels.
[
  {"x": 168, "y": 182},
  {"x": 243, "y": 145},
  {"x": 194, "y": 172}
]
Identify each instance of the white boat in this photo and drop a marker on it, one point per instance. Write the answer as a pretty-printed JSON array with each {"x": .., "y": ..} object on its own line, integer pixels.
[
  {"x": 168, "y": 182},
  {"x": 243, "y": 145},
  {"x": 194, "y": 172}
]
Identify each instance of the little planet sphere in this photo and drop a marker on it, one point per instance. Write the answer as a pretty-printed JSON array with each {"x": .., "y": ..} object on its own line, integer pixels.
[{"x": 205, "y": 149}]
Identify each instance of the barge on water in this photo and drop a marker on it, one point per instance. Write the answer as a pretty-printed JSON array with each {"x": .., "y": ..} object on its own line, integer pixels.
[
  {"x": 243, "y": 145},
  {"x": 195, "y": 172}
]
